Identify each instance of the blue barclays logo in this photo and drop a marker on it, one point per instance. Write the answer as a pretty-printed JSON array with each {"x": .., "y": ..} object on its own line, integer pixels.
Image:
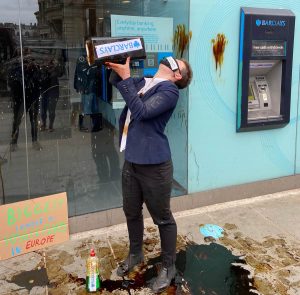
[
  {"x": 270, "y": 23},
  {"x": 136, "y": 44},
  {"x": 118, "y": 47},
  {"x": 258, "y": 22}
]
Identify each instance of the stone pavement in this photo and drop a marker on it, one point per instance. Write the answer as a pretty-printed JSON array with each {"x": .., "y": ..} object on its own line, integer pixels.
[{"x": 259, "y": 253}]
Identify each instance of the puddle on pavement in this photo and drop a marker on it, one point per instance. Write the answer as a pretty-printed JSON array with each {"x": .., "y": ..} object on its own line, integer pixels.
[
  {"x": 202, "y": 269},
  {"x": 213, "y": 269},
  {"x": 30, "y": 279}
]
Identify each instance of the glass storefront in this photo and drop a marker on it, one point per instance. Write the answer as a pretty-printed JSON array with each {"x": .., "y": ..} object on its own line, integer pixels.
[{"x": 59, "y": 115}]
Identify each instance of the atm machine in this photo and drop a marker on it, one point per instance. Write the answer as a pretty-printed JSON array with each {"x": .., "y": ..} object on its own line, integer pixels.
[{"x": 265, "y": 68}]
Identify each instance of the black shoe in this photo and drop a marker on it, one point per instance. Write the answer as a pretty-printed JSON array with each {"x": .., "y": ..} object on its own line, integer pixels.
[
  {"x": 164, "y": 279},
  {"x": 129, "y": 263}
]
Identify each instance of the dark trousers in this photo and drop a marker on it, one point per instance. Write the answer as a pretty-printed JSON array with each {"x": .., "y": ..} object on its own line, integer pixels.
[
  {"x": 149, "y": 184},
  {"x": 32, "y": 107},
  {"x": 48, "y": 103}
]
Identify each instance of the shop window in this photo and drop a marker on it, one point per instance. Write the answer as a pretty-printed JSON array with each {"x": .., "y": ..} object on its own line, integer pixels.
[{"x": 68, "y": 139}]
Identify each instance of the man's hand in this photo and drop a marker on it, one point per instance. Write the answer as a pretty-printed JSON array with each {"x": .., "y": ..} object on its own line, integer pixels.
[{"x": 122, "y": 70}]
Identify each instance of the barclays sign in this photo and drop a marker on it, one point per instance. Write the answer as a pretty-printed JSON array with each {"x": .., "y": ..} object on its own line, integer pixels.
[
  {"x": 109, "y": 49},
  {"x": 270, "y": 23}
]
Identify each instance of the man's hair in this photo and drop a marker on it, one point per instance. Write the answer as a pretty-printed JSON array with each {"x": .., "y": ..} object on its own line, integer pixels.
[{"x": 187, "y": 75}]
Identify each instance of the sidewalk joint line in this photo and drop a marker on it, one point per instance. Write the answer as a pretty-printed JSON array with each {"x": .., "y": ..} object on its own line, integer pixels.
[{"x": 275, "y": 225}]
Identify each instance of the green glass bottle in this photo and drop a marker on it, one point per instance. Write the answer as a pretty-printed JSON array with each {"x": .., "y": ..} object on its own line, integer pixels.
[{"x": 92, "y": 273}]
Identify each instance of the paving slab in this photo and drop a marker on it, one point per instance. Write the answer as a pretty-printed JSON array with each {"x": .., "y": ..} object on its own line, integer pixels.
[{"x": 283, "y": 213}]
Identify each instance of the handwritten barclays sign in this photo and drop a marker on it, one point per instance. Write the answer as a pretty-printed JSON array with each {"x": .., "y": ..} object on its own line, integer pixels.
[
  {"x": 109, "y": 49},
  {"x": 270, "y": 23}
]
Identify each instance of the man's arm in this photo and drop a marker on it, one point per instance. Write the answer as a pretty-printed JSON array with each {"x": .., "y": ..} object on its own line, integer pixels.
[
  {"x": 165, "y": 99},
  {"x": 114, "y": 79},
  {"x": 121, "y": 72},
  {"x": 160, "y": 102}
]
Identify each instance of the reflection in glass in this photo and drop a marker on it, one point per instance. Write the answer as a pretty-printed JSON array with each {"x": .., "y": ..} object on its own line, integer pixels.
[
  {"x": 87, "y": 82},
  {"x": 31, "y": 81},
  {"x": 71, "y": 114},
  {"x": 50, "y": 70},
  {"x": 13, "y": 172}
]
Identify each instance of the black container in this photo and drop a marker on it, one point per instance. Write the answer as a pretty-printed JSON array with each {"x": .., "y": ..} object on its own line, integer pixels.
[{"x": 100, "y": 50}]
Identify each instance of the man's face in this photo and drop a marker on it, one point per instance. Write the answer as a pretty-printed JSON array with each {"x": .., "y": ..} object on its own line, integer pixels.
[
  {"x": 173, "y": 65},
  {"x": 181, "y": 65}
]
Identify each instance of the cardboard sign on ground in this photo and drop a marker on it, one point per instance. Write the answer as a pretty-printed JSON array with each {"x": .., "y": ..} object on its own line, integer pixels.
[{"x": 33, "y": 224}]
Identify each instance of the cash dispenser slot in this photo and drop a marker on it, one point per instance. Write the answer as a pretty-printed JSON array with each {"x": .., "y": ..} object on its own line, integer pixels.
[{"x": 265, "y": 90}]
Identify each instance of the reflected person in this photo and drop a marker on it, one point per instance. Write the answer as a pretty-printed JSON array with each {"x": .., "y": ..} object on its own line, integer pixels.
[
  {"x": 51, "y": 70},
  {"x": 87, "y": 82},
  {"x": 148, "y": 170},
  {"x": 106, "y": 156},
  {"x": 32, "y": 93}
]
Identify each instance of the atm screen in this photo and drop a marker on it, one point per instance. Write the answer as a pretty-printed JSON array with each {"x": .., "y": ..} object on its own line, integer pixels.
[{"x": 268, "y": 48}]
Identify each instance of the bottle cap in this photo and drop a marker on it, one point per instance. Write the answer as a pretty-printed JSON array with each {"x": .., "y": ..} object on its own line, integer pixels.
[{"x": 92, "y": 253}]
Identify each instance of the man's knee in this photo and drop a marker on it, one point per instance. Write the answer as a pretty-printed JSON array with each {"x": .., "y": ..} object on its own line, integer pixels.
[
  {"x": 164, "y": 217},
  {"x": 132, "y": 214},
  {"x": 131, "y": 210}
]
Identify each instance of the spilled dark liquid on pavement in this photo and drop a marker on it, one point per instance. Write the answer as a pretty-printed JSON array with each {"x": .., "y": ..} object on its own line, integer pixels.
[
  {"x": 29, "y": 279},
  {"x": 209, "y": 269},
  {"x": 202, "y": 269}
]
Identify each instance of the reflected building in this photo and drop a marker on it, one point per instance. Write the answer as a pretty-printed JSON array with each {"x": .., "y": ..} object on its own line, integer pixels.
[
  {"x": 69, "y": 21},
  {"x": 8, "y": 41}
]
